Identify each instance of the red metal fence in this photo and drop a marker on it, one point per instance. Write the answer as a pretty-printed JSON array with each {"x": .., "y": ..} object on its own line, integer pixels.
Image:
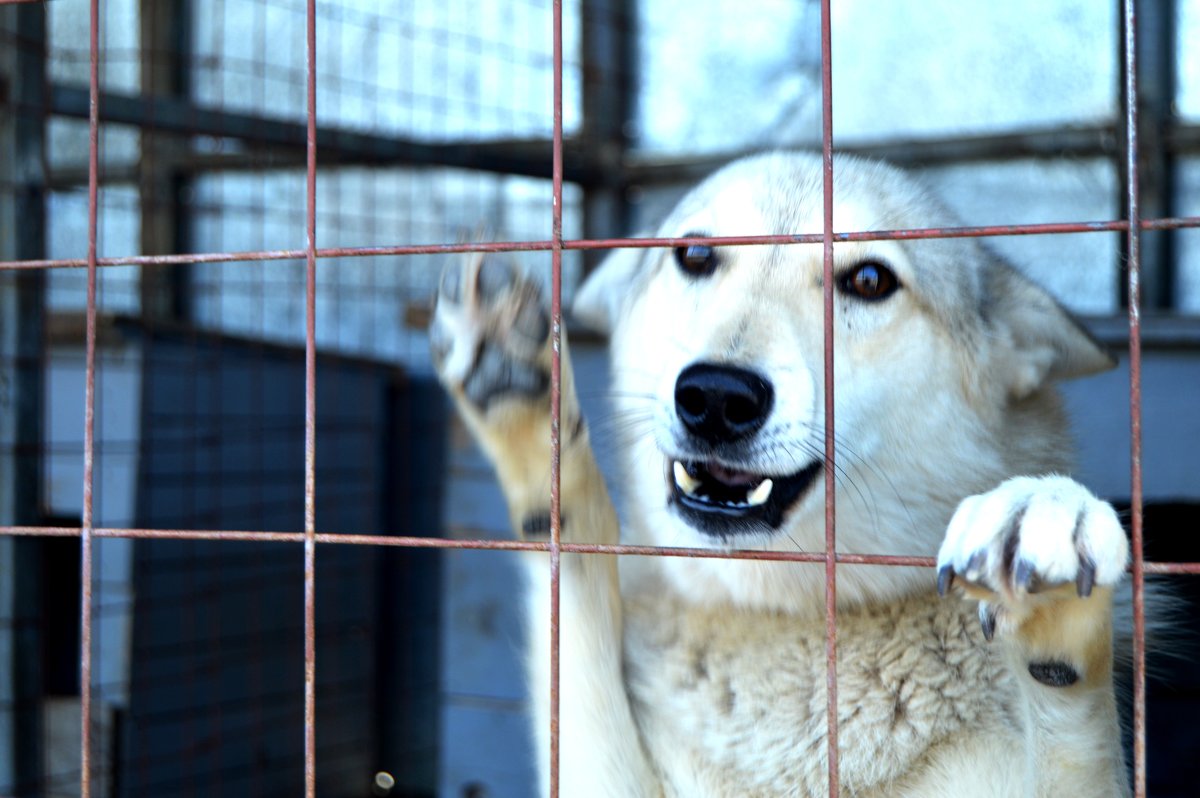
[{"x": 313, "y": 540}]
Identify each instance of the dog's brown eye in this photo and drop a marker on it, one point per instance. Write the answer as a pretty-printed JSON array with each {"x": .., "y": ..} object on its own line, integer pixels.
[
  {"x": 697, "y": 260},
  {"x": 869, "y": 281}
]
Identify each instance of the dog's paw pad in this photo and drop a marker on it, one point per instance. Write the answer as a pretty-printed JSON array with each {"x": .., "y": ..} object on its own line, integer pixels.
[
  {"x": 1053, "y": 673},
  {"x": 496, "y": 275},
  {"x": 497, "y": 374},
  {"x": 1029, "y": 535},
  {"x": 490, "y": 331}
]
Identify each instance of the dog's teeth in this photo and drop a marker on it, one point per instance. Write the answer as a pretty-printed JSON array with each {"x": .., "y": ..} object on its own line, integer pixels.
[
  {"x": 760, "y": 494},
  {"x": 684, "y": 480}
]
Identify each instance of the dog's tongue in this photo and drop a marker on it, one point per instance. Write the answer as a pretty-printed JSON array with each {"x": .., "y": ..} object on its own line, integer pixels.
[{"x": 731, "y": 477}]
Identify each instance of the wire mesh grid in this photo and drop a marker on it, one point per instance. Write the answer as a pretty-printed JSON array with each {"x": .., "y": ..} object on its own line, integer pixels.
[{"x": 557, "y": 244}]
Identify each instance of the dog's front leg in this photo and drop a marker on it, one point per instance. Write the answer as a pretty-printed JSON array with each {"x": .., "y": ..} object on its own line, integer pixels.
[
  {"x": 490, "y": 339},
  {"x": 1042, "y": 556}
]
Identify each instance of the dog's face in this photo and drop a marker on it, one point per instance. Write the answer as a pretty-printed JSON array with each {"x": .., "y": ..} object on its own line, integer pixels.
[{"x": 718, "y": 371}]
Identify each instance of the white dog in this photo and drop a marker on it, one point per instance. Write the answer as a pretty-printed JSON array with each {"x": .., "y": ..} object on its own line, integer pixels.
[{"x": 706, "y": 677}]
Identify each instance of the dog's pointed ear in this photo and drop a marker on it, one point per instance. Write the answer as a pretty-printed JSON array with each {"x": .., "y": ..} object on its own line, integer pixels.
[
  {"x": 599, "y": 300},
  {"x": 1045, "y": 342}
]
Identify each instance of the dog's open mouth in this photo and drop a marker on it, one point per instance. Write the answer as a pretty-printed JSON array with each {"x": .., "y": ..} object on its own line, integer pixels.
[{"x": 724, "y": 501}]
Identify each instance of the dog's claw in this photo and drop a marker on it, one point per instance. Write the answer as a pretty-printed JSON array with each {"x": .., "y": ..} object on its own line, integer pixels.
[
  {"x": 533, "y": 322},
  {"x": 450, "y": 286},
  {"x": 1086, "y": 578},
  {"x": 945, "y": 579},
  {"x": 1024, "y": 574},
  {"x": 975, "y": 566},
  {"x": 987, "y": 621}
]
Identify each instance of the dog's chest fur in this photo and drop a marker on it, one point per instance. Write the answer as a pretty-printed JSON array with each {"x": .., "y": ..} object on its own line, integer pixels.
[{"x": 734, "y": 703}]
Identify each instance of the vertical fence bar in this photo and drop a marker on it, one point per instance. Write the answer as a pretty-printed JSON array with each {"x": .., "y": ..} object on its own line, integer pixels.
[
  {"x": 89, "y": 412},
  {"x": 1133, "y": 256},
  {"x": 310, "y": 412},
  {"x": 556, "y": 247},
  {"x": 830, "y": 484}
]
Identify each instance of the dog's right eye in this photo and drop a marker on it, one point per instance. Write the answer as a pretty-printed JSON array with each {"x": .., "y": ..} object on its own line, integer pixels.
[{"x": 696, "y": 260}]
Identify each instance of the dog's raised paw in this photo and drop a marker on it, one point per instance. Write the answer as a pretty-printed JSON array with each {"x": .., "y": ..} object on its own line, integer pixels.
[
  {"x": 489, "y": 337},
  {"x": 1027, "y": 537}
]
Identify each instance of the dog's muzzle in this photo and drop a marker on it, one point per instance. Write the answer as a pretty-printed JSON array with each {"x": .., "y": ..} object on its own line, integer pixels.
[{"x": 722, "y": 406}]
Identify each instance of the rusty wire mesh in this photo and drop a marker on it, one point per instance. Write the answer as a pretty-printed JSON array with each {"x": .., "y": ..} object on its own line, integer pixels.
[{"x": 313, "y": 539}]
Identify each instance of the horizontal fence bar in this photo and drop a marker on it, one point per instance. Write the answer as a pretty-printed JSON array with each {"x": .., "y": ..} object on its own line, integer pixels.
[
  {"x": 399, "y": 541},
  {"x": 989, "y": 231}
]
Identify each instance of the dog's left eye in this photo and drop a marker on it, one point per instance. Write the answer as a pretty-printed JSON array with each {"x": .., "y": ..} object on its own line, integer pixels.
[
  {"x": 870, "y": 281},
  {"x": 697, "y": 260}
]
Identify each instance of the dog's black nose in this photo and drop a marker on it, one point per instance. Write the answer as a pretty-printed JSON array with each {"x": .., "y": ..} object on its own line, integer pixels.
[{"x": 722, "y": 404}]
